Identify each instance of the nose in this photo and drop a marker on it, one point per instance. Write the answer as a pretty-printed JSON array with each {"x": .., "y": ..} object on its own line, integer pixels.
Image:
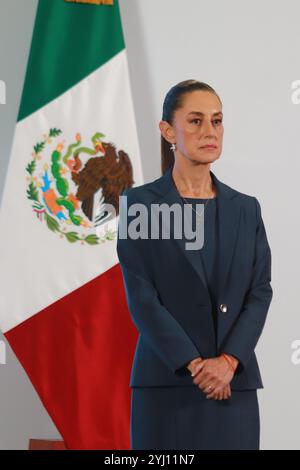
[{"x": 208, "y": 128}]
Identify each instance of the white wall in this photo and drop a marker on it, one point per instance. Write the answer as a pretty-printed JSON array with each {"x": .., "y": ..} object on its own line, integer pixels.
[
  {"x": 249, "y": 52},
  {"x": 22, "y": 416}
]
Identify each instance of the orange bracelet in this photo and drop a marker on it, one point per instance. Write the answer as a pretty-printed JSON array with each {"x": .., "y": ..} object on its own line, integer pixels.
[{"x": 229, "y": 360}]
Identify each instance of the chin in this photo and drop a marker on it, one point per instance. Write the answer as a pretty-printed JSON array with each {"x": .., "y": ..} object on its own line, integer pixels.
[{"x": 205, "y": 158}]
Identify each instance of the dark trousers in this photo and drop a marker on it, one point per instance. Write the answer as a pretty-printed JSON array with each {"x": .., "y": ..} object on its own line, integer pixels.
[{"x": 183, "y": 418}]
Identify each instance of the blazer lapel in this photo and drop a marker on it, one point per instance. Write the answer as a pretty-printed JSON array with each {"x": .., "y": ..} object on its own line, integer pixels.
[
  {"x": 229, "y": 223},
  {"x": 229, "y": 215}
]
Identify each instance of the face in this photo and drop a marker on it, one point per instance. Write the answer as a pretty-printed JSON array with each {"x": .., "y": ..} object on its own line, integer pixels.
[{"x": 197, "y": 127}]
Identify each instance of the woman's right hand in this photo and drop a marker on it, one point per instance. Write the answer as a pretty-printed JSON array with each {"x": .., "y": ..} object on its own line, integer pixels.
[{"x": 195, "y": 366}]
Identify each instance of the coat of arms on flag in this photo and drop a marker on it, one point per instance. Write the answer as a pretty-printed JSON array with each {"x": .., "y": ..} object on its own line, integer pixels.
[{"x": 75, "y": 187}]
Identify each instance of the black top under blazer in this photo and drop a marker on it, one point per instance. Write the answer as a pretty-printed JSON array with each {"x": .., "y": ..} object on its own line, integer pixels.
[{"x": 168, "y": 297}]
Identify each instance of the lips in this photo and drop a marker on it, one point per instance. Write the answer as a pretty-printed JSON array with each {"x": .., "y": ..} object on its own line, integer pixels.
[{"x": 209, "y": 147}]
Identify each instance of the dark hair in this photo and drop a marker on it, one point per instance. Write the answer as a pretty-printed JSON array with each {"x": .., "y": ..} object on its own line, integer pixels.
[{"x": 174, "y": 100}]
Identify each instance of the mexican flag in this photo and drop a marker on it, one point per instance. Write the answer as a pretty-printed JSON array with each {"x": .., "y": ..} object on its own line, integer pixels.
[{"x": 62, "y": 306}]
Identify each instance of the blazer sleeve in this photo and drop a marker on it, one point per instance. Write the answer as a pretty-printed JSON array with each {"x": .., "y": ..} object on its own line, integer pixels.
[
  {"x": 157, "y": 325},
  {"x": 245, "y": 333}
]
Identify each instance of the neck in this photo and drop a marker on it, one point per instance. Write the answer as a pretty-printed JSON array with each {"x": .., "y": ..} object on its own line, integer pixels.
[{"x": 194, "y": 181}]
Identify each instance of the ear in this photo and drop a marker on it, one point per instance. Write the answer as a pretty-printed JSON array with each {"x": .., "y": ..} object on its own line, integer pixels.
[{"x": 167, "y": 131}]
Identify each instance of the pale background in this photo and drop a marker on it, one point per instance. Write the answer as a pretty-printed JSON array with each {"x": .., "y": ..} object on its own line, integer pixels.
[{"x": 249, "y": 52}]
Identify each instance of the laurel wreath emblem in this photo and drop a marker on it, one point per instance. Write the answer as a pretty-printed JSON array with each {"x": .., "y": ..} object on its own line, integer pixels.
[{"x": 50, "y": 195}]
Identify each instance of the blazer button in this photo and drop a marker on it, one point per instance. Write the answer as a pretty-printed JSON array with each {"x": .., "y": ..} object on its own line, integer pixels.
[{"x": 223, "y": 308}]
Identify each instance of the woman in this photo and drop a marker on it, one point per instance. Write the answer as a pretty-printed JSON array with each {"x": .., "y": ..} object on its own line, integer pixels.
[{"x": 199, "y": 311}]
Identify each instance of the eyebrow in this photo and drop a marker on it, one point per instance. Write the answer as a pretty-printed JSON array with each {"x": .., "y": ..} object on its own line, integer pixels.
[{"x": 201, "y": 114}]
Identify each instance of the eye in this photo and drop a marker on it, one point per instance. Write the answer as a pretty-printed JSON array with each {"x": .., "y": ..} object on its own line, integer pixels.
[{"x": 215, "y": 121}]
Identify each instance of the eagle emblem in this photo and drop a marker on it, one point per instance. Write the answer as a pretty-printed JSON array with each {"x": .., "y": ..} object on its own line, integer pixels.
[{"x": 75, "y": 188}]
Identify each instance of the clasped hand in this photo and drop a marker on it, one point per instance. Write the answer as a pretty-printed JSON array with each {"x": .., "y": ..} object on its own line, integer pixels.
[{"x": 213, "y": 376}]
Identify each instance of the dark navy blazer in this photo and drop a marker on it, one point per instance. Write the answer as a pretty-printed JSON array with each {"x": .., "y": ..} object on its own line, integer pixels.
[{"x": 169, "y": 300}]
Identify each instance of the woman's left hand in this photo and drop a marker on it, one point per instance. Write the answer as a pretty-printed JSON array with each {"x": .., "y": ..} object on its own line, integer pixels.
[
  {"x": 213, "y": 376},
  {"x": 223, "y": 395}
]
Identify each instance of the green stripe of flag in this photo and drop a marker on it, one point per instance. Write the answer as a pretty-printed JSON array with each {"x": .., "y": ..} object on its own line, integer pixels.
[{"x": 70, "y": 40}]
